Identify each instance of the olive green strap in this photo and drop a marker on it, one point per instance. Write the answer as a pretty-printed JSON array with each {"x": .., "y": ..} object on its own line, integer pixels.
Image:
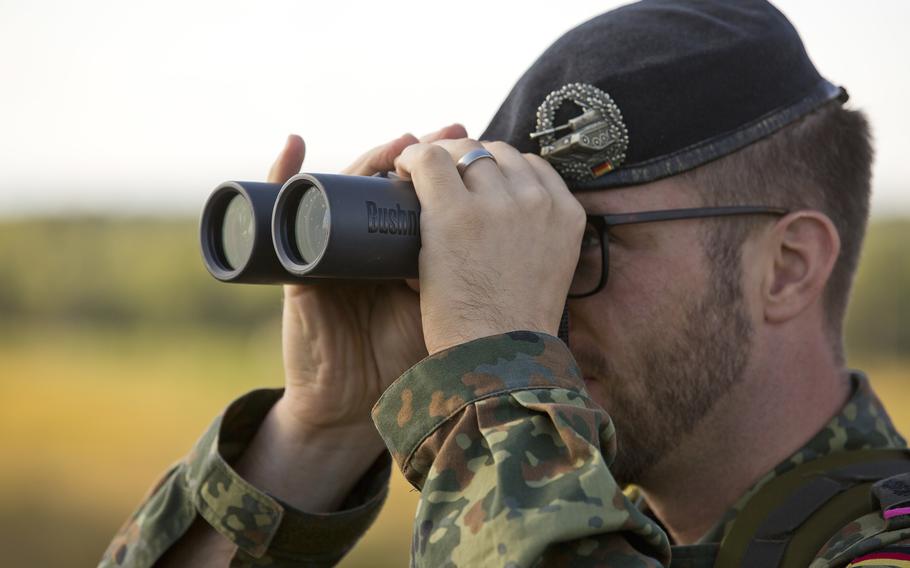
[
  {"x": 773, "y": 518},
  {"x": 694, "y": 555},
  {"x": 805, "y": 543}
]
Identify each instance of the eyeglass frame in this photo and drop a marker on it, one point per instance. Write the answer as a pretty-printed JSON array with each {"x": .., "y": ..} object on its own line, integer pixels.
[{"x": 604, "y": 223}]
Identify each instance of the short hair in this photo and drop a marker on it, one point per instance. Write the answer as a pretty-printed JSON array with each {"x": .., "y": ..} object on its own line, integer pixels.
[{"x": 822, "y": 162}]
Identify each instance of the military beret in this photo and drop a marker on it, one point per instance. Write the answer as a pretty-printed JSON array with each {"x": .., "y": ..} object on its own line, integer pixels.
[{"x": 655, "y": 88}]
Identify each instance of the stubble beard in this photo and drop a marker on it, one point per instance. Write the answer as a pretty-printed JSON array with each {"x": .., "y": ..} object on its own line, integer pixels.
[{"x": 675, "y": 378}]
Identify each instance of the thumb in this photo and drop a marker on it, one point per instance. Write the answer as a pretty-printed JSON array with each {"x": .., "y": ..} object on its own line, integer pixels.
[{"x": 289, "y": 160}]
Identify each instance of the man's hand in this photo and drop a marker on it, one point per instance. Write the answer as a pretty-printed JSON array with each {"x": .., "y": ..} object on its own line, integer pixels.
[
  {"x": 499, "y": 246},
  {"x": 343, "y": 344}
]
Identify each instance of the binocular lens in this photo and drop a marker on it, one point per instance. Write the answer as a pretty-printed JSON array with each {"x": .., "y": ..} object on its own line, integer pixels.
[
  {"x": 347, "y": 227},
  {"x": 237, "y": 232},
  {"x": 315, "y": 226},
  {"x": 311, "y": 225}
]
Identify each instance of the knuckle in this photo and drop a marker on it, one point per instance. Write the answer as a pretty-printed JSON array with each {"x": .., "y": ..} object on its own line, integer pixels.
[
  {"x": 541, "y": 164},
  {"x": 465, "y": 145},
  {"x": 578, "y": 219},
  {"x": 430, "y": 154},
  {"x": 536, "y": 197},
  {"x": 498, "y": 146},
  {"x": 534, "y": 159}
]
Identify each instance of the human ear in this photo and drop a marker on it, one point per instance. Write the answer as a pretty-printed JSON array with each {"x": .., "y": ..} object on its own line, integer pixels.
[{"x": 803, "y": 247}]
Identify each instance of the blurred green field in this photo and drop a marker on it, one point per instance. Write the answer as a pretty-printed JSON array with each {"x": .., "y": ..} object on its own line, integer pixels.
[
  {"x": 117, "y": 349},
  {"x": 89, "y": 418}
]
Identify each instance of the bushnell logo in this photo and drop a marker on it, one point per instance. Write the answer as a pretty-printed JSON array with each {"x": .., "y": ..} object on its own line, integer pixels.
[{"x": 395, "y": 221}]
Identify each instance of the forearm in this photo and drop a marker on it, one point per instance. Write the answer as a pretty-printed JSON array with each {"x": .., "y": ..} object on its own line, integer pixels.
[
  {"x": 255, "y": 490},
  {"x": 310, "y": 470}
]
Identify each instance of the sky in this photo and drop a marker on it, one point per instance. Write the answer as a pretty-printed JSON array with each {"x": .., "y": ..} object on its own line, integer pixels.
[{"x": 144, "y": 107}]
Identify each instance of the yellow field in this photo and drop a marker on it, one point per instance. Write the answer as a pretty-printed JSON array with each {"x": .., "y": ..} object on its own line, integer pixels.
[{"x": 89, "y": 418}]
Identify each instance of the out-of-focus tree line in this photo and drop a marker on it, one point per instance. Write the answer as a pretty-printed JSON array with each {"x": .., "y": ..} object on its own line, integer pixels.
[
  {"x": 878, "y": 322},
  {"x": 119, "y": 271},
  {"x": 143, "y": 271}
]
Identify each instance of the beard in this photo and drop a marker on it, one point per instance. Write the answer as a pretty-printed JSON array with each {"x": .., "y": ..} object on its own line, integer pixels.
[{"x": 673, "y": 377}]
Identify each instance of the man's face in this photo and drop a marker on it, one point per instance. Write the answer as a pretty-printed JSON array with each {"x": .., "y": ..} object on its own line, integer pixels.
[{"x": 668, "y": 336}]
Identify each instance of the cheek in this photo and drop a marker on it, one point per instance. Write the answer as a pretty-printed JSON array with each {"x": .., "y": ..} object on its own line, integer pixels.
[
  {"x": 641, "y": 289},
  {"x": 608, "y": 322},
  {"x": 643, "y": 296}
]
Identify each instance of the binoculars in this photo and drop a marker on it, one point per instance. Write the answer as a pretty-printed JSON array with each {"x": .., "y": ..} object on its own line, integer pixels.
[{"x": 314, "y": 226}]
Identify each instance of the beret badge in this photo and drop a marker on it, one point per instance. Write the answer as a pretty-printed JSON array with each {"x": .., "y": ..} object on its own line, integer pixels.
[{"x": 589, "y": 145}]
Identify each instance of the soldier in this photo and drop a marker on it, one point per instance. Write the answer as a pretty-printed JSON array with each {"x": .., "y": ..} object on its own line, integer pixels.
[{"x": 703, "y": 207}]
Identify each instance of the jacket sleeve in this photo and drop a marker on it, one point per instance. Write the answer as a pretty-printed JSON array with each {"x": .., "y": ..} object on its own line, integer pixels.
[
  {"x": 512, "y": 461},
  {"x": 267, "y": 532}
]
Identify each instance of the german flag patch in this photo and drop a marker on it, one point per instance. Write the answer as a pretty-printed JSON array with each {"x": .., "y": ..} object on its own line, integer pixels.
[{"x": 888, "y": 557}]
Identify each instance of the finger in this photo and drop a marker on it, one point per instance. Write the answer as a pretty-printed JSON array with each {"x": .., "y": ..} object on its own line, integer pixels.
[
  {"x": 481, "y": 176},
  {"x": 289, "y": 160},
  {"x": 548, "y": 176},
  {"x": 555, "y": 185},
  {"x": 381, "y": 158},
  {"x": 522, "y": 178},
  {"x": 432, "y": 170},
  {"x": 544, "y": 171},
  {"x": 452, "y": 132}
]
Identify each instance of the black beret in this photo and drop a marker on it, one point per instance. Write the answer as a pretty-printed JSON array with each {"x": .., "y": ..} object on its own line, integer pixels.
[{"x": 659, "y": 87}]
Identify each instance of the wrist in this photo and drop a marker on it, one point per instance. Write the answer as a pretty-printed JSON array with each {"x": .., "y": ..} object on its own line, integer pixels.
[
  {"x": 441, "y": 341},
  {"x": 360, "y": 436},
  {"x": 290, "y": 459}
]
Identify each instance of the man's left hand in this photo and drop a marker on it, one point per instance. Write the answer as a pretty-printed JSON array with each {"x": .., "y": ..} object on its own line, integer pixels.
[{"x": 499, "y": 245}]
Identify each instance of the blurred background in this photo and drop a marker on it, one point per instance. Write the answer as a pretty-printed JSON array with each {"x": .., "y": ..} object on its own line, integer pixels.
[{"x": 116, "y": 120}]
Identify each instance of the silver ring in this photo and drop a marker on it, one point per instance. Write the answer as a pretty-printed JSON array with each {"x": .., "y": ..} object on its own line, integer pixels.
[{"x": 472, "y": 157}]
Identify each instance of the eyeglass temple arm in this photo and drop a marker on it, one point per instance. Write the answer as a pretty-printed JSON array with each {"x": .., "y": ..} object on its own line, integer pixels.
[
  {"x": 563, "y": 332},
  {"x": 689, "y": 213}
]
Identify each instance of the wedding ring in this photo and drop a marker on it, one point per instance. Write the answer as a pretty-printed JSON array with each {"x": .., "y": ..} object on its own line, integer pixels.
[{"x": 472, "y": 157}]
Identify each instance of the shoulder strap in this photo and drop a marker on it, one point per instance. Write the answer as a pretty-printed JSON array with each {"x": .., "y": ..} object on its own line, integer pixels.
[{"x": 792, "y": 516}]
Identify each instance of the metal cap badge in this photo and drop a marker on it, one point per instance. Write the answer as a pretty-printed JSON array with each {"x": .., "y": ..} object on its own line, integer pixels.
[{"x": 597, "y": 138}]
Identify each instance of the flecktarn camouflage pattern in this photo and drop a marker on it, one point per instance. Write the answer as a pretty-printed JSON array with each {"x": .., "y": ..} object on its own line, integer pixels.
[
  {"x": 266, "y": 531},
  {"x": 512, "y": 460},
  {"x": 511, "y": 457}
]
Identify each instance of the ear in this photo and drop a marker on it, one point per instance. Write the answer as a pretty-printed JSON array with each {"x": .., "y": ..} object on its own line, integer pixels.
[{"x": 801, "y": 251}]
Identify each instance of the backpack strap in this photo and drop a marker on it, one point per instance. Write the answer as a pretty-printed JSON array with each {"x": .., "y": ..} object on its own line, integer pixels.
[
  {"x": 792, "y": 516},
  {"x": 694, "y": 555}
]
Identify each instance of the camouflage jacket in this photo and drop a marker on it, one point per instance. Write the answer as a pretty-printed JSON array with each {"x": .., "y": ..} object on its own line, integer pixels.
[{"x": 512, "y": 460}]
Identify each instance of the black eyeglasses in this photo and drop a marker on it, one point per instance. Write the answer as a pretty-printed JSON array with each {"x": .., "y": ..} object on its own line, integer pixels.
[{"x": 593, "y": 264}]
